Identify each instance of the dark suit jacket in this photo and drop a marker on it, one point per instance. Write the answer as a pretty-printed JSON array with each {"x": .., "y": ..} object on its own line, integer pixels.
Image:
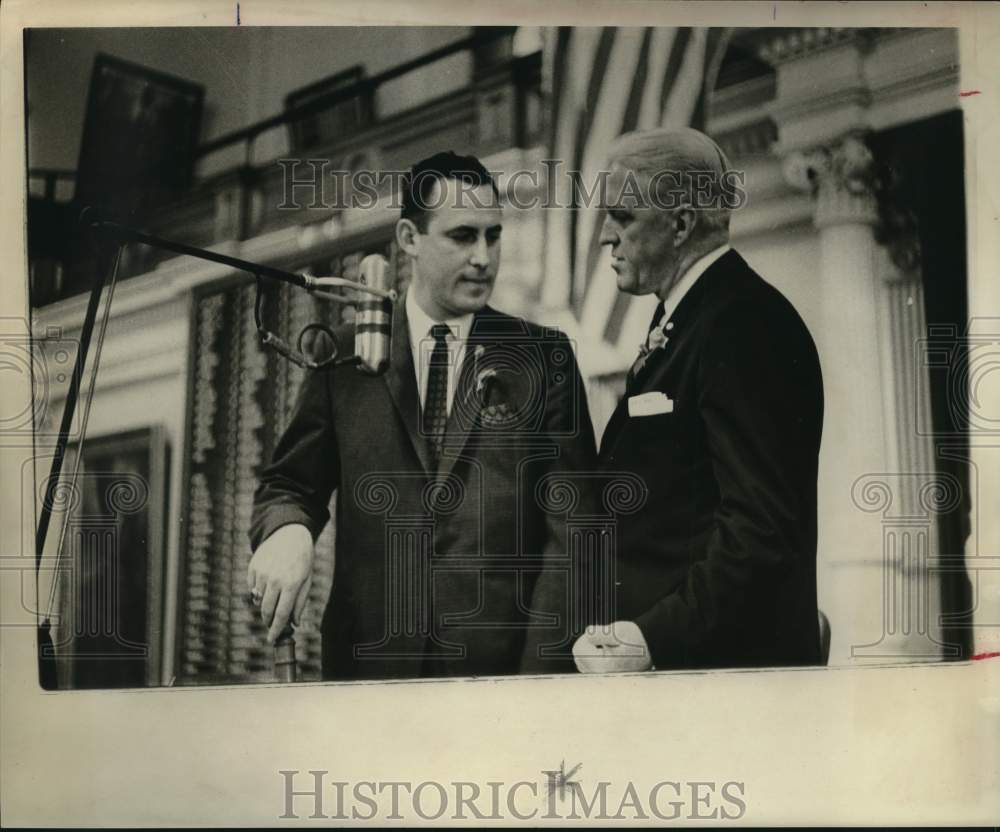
[
  {"x": 434, "y": 569},
  {"x": 719, "y": 568}
]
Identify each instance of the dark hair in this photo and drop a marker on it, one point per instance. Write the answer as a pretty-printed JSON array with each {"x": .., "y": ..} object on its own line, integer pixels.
[{"x": 419, "y": 183}]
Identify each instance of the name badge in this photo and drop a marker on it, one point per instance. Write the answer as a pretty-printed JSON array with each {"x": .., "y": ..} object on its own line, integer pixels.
[{"x": 650, "y": 404}]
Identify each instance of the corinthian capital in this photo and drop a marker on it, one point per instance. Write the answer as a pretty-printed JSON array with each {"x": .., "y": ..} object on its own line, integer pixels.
[{"x": 841, "y": 177}]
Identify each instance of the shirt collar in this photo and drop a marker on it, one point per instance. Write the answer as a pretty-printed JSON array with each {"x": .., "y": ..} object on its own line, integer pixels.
[
  {"x": 420, "y": 322},
  {"x": 683, "y": 286}
]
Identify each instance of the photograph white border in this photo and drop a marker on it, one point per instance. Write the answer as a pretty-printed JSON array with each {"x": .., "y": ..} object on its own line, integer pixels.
[{"x": 903, "y": 744}]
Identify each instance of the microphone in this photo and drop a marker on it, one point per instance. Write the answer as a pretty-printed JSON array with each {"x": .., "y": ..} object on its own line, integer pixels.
[{"x": 373, "y": 319}]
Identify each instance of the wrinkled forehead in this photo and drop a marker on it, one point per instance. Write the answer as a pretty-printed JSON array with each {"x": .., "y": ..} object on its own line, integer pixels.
[{"x": 453, "y": 203}]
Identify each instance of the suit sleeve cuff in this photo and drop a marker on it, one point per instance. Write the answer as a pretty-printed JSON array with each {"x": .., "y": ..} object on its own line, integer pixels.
[
  {"x": 665, "y": 650},
  {"x": 277, "y": 516}
]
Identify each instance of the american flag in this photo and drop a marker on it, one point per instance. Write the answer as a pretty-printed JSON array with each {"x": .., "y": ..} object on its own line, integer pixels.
[{"x": 605, "y": 82}]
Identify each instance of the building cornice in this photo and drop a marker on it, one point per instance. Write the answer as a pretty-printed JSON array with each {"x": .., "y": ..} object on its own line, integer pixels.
[
  {"x": 834, "y": 82},
  {"x": 778, "y": 46}
]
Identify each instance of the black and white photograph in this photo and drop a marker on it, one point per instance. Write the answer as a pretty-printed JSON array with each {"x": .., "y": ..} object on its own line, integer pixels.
[{"x": 621, "y": 376}]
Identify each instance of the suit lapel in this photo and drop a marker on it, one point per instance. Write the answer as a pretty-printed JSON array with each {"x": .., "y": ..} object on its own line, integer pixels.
[
  {"x": 464, "y": 414},
  {"x": 401, "y": 380}
]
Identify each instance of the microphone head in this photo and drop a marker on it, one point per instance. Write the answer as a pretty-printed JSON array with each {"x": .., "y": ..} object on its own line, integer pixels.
[
  {"x": 375, "y": 272},
  {"x": 373, "y": 321}
]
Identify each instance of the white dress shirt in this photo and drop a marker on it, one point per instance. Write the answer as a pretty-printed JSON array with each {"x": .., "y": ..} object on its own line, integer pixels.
[
  {"x": 422, "y": 344},
  {"x": 683, "y": 286}
]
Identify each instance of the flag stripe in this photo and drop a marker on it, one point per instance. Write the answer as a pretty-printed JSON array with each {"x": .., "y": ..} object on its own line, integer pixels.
[
  {"x": 717, "y": 40},
  {"x": 627, "y": 58},
  {"x": 560, "y": 62},
  {"x": 635, "y": 94},
  {"x": 629, "y": 122},
  {"x": 558, "y": 284},
  {"x": 663, "y": 39},
  {"x": 584, "y": 122},
  {"x": 687, "y": 86},
  {"x": 677, "y": 52}
]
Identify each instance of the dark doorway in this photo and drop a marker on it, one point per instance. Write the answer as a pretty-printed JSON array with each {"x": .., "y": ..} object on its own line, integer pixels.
[{"x": 924, "y": 171}]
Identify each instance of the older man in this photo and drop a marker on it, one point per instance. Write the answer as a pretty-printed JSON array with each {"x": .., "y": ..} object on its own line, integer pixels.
[{"x": 721, "y": 418}]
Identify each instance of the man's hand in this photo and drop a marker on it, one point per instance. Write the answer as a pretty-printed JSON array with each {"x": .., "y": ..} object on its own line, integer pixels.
[
  {"x": 612, "y": 648},
  {"x": 279, "y": 575}
]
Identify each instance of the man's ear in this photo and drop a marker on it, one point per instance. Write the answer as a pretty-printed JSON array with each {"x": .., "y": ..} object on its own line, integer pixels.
[
  {"x": 407, "y": 236},
  {"x": 685, "y": 220}
]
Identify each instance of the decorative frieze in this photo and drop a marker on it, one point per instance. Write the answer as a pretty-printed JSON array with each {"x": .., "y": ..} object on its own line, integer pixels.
[{"x": 777, "y": 46}]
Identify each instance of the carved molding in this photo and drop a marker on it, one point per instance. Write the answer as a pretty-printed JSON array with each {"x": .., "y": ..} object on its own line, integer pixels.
[
  {"x": 853, "y": 98},
  {"x": 830, "y": 84},
  {"x": 841, "y": 178},
  {"x": 777, "y": 46},
  {"x": 849, "y": 185},
  {"x": 739, "y": 97},
  {"x": 749, "y": 139}
]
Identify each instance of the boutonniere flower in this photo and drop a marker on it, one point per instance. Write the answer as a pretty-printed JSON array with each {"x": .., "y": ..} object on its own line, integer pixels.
[
  {"x": 483, "y": 378},
  {"x": 656, "y": 340}
]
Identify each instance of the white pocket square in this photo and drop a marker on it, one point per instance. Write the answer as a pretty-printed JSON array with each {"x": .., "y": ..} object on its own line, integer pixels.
[{"x": 650, "y": 404}]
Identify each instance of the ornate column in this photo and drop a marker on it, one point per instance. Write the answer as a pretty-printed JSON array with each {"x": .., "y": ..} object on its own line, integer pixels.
[
  {"x": 876, "y": 578},
  {"x": 908, "y": 505},
  {"x": 839, "y": 176}
]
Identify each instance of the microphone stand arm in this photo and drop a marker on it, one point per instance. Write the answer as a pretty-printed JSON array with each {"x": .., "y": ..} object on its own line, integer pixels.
[
  {"x": 319, "y": 286},
  {"x": 125, "y": 234}
]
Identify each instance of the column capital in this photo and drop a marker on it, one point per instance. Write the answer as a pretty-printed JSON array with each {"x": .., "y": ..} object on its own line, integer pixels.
[{"x": 841, "y": 176}]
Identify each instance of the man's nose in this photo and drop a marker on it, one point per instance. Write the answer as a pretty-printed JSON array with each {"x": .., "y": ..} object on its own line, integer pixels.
[{"x": 480, "y": 256}]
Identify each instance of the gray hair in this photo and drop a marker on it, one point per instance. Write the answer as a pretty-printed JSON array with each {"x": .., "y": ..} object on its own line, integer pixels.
[{"x": 688, "y": 169}]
